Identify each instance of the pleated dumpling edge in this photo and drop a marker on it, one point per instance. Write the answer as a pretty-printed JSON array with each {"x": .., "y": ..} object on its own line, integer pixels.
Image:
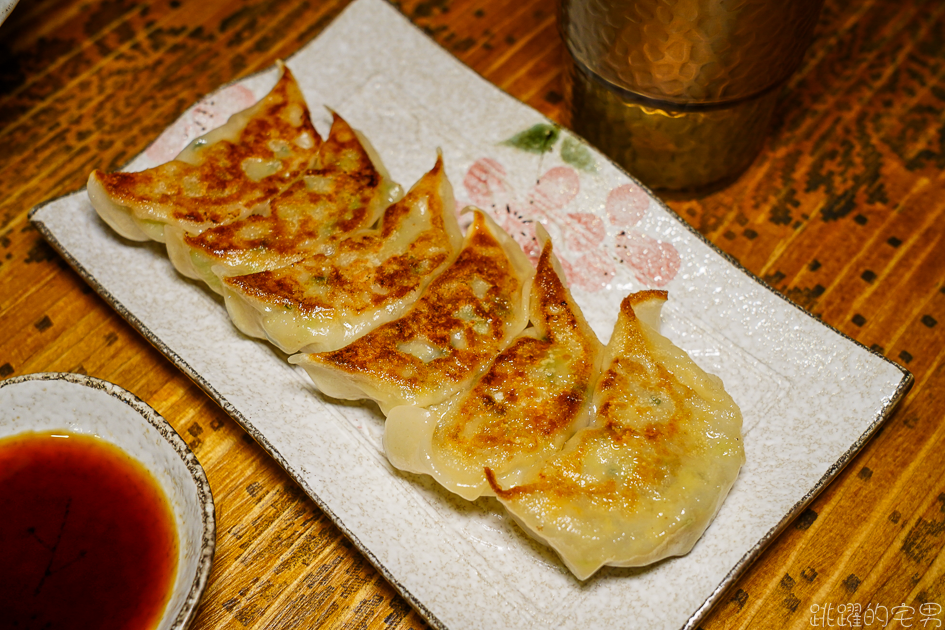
[
  {"x": 464, "y": 318},
  {"x": 646, "y": 478},
  {"x": 521, "y": 411}
]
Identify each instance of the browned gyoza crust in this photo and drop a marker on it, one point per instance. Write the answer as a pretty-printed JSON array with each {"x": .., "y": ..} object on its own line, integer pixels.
[
  {"x": 360, "y": 284},
  {"x": 645, "y": 478},
  {"x": 328, "y": 299},
  {"x": 342, "y": 192},
  {"x": 533, "y": 398},
  {"x": 220, "y": 181},
  {"x": 530, "y": 411},
  {"x": 461, "y": 332}
]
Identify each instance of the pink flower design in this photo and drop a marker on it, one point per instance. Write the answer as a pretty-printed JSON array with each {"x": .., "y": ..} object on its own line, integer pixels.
[
  {"x": 653, "y": 262},
  {"x": 585, "y": 231},
  {"x": 626, "y": 205},
  {"x": 591, "y": 271},
  {"x": 586, "y": 263},
  {"x": 586, "y": 260},
  {"x": 207, "y": 114},
  {"x": 485, "y": 183},
  {"x": 553, "y": 191},
  {"x": 487, "y": 188}
]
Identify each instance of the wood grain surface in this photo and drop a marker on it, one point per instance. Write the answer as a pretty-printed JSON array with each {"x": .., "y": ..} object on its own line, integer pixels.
[{"x": 843, "y": 213}]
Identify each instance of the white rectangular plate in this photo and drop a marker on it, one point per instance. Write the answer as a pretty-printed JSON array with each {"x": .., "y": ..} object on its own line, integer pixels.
[{"x": 810, "y": 396}]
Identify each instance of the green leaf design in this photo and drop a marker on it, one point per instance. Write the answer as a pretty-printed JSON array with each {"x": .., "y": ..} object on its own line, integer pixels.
[
  {"x": 577, "y": 155},
  {"x": 537, "y": 139}
]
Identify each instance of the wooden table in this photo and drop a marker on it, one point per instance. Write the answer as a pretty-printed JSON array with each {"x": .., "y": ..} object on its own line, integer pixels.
[{"x": 843, "y": 213}]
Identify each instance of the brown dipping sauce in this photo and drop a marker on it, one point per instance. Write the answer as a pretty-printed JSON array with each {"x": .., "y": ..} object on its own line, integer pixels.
[{"x": 87, "y": 538}]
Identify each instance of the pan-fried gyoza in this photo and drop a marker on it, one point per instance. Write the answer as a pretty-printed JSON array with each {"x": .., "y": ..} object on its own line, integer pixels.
[
  {"x": 466, "y": 316},
  {"x": 343, "y": 192},
  {"x": 489, "y": 375},
  {"x": 645, "y": 478},
  {"x": 534, "y": 397},
  {"x": 327, "y": 300},
  {"x": 220, "y": 177}
]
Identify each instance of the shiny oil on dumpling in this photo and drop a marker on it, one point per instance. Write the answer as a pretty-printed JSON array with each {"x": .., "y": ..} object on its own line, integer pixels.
[
  {"x": 520, "y": 412},
  {"x": 328, "y": 300},
  {"x": 645, "y": 478},
  {"x": 344, "y": 191},
  {"x": 218, "y": 178},
  {"x": 463, "y": 320}
]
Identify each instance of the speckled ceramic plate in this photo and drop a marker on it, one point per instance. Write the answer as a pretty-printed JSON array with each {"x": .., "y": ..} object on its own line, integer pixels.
[
  {"x": 6, "y": 8},
  {"x": 83, "y": 405},
  {"x": 810, "y": 396}
]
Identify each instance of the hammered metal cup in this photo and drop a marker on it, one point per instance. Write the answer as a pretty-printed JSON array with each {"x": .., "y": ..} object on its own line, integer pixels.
[{"x": 681, "y": 92}]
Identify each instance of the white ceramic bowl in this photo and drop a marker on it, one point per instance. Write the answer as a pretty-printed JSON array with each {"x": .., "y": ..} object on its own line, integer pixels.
[{"x": 89, "y": 406}]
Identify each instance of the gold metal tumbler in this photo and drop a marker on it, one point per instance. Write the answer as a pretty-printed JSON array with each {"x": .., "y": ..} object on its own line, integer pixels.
[{"x": 681, "y": 92}]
